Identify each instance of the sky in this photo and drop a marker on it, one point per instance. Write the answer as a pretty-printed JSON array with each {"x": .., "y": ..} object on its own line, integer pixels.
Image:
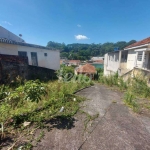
[{"x": 76, "y": 21}]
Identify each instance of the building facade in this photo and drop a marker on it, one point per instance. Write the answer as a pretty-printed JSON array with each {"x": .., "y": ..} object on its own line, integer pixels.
[
  {"x": 136, "y": 55},
  {"x": 40, "y": 56}
]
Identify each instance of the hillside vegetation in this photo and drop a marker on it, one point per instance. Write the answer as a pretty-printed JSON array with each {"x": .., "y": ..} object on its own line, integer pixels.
[{"x": 86, "y": 51}]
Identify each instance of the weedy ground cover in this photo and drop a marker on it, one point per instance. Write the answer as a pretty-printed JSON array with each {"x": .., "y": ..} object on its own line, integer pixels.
[
  {"x": 136, "y": 90},
  {"x": 36, "y": 102}
]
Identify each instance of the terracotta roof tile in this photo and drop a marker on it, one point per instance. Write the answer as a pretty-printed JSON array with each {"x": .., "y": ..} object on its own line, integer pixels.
[
  {"x": 87, "y": 68},
  {"x": 142, "y": 42}
]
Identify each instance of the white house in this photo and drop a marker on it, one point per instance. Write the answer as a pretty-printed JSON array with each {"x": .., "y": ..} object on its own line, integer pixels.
[
  {"x": 136, "y": 55},
  {"x": 37, "y": 55},
  {"x": 139, "y": 54}
]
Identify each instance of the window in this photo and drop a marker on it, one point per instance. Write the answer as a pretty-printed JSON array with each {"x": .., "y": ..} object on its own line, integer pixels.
[
  {"x": 125, "y": 57},
  {"x": 45, "y": 54},
  {"x": 139, "y": 57},
  {"x": 21, "y": 53},
  {"x": 112, "y": 57}
]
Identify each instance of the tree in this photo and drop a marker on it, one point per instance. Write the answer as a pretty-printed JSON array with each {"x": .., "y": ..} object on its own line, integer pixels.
[{"x": 85, "y": 51}]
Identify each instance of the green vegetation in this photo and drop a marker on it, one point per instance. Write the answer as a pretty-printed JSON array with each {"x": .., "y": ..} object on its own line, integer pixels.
[
  {"x": 135, "y": 89},
  {"x": 66, "y": 72},
  {"x": 41, "y": 135},
  {"x": 37, "y": 102},
  {"x": 85, "y": 51},
  {"x": 89, "y": 118}
]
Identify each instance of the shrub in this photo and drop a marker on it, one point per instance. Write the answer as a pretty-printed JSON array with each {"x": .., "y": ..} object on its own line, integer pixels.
[
  {"x": 110, "y": 80},
  {"x": 66, "y": 73},
  {"x": 33, "y": 90},
  {"x": 3, "y": 91},
  {"x": 82, "y": 79},
  {"x": 139, "y": 86}
]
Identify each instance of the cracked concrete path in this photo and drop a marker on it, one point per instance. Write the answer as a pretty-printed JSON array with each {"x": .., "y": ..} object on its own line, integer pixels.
[{"x": 116, "y": 128}]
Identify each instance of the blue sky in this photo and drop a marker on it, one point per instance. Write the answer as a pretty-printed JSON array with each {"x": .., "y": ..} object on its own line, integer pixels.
[{"x": 76, "y": 21}]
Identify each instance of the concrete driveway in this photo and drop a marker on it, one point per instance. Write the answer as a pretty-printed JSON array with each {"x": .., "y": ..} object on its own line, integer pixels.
[{"x": 116, "y": 127}]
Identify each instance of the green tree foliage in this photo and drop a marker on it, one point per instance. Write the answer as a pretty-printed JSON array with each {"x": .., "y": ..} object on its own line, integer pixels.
[
  {"x": 85, "y": 51},
  {"x": 55, "y": 45}
]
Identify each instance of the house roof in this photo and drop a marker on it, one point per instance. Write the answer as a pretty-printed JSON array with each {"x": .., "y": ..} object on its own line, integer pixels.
[
  {"x": 97, "y": 58},
  {"x": 87, "y": 68},
  {"x": 4, "y": 40},
  {"x": 4, "y": 33},
  {"x": 74, "y": 61},
  {"x": 139, "y": 43}
]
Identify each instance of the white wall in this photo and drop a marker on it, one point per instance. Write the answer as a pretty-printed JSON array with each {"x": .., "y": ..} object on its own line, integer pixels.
[
  {"x": 131, "y": 60},
  {"x": 111, "y": 63},
  {"x": 51, "y": 61},
  {"x": 4, "y": 33}
]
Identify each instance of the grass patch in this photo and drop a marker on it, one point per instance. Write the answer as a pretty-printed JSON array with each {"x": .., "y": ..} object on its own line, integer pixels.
[
  {"x": 37, "y": 102},
  {"x": 88, "y": 119},
  {"x": 135, "y": 88},
  {"x": 130, "y": 100}
]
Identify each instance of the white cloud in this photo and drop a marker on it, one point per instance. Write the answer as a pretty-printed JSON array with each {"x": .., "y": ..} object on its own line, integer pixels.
[
  {"x": 6, "y": 22},
  {"x": 78, "y": 25},
  {"x": 81, "y": 37}
]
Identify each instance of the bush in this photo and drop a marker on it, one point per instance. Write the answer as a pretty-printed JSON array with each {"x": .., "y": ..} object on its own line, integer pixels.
[
  {"x": 66, "y": 73},
  {"x": 110, "y": 80},
  {"x": 82, "y": 79},
  {"x": 139, "y": 86},
  {"x": 3, "y": 91},
  {"x": 33, "y": 90}
]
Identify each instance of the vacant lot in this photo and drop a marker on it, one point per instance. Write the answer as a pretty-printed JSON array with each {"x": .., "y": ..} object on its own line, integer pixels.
[{"x": 116, "y": 127}]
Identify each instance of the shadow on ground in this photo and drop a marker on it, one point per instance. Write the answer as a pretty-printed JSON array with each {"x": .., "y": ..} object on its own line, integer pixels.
[
  {"x": 4, "y": 142},
  {"x": 62, "y": 122}
]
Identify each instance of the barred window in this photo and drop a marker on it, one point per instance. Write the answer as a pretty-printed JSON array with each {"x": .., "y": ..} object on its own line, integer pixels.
[{"x": 139, "y": 57}]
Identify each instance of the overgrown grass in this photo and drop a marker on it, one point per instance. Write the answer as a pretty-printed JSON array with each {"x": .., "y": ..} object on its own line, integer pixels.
[
  {"x": 37, "y": 102},
  {"x": 113, "y": 80},
  {"x": 134, "y": 89},
  {"x": 130, "y": 100}
]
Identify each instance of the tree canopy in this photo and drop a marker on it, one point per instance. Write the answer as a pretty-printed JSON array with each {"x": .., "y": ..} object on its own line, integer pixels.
[{"x": 85, "y": 51}]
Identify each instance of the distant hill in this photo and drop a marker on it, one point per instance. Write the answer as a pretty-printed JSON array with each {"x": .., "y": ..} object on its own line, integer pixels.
[{"x": 86, "y": 51}]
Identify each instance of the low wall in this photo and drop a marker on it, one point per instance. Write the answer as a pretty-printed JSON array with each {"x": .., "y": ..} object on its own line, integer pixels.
[
  {"x": 11, "y": 67},
  {"x": 44, "y": 74},
  {"x": 136, "y": 72}
]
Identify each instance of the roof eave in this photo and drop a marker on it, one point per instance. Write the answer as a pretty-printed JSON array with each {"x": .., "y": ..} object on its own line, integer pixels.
[{"x": 136, "y": 47}]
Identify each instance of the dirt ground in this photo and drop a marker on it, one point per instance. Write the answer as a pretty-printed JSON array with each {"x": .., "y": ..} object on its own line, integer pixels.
[{"x": 115, "y": 126}]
